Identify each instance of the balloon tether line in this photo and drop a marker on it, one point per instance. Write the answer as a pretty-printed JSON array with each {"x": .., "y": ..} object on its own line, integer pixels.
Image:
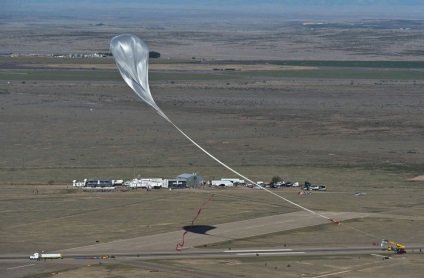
[
  {"x": 180, "y": 245},
  {"x": 261, "y": 187},
  {"x": 242, "y": 176}
]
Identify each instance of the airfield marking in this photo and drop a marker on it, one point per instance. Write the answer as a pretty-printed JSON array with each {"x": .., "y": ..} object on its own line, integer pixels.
[
  {"x": 20, "y": 266},
  {"x": 16, "y": 73},
  {"x": 378, "y": 255},
  {"x": 253, "y": 251},
  {"x": 268, "y": 253},
  {"x": 331, "y": 274},
  {"x": 275, "y": 222}
]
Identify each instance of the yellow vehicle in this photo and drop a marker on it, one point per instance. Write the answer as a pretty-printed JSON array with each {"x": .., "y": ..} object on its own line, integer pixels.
[{"x": 395, "y": 247}]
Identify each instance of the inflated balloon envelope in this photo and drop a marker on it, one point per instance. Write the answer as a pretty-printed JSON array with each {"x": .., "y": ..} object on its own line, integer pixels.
[{"x": 131, "y": 55}]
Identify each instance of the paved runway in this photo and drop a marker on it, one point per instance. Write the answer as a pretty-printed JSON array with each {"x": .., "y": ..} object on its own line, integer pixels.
[{"x": 167, "y": 242}]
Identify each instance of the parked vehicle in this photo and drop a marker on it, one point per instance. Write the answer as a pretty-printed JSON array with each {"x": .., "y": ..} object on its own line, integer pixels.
[
  {"x": 43, "y": 256},
  {"x": 395, "y": 247},
  {"x": 307, "y": 185},
  {"x": 222, "y": 183}
]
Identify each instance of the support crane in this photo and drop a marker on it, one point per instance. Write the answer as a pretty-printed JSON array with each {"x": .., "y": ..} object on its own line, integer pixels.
[{"x": 395, "y": 247}]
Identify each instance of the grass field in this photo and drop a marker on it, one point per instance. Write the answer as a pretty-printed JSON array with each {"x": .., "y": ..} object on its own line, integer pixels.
[
  {"x": 24, "y": 60},
  {"x": 388, "y": 176},
  {"x": 332, "y": 266},
  {"x": 355, "y": 64},
  {"x": 349, "y": 266},
  {"x": 80, "y": 216},
  {"x": 300, "y": 124},
  {"x": 63, "y": 61},
  {"x": 319, "y": 73},
  {"x": 339, "y": 104}
]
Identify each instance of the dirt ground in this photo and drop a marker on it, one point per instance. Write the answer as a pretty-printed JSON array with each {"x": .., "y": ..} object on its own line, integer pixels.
[{"x": 418, "y": 178}]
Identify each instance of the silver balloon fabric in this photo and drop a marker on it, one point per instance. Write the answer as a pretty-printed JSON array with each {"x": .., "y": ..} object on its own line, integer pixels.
[{"x": 131, "y": 56}]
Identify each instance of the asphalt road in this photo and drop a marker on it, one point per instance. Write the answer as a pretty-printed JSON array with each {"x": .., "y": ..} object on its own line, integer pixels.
[{"x": 16, "y": 266}]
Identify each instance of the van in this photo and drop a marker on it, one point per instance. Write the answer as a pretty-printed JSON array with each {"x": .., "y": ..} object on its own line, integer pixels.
[{"x": 322, "y": 188}]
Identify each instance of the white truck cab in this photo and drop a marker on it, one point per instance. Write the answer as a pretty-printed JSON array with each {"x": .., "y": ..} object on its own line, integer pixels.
[{"x": 43, "y": 256}]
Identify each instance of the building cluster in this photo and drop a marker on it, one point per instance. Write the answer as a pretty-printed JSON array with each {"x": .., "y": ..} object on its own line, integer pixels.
[
  {"x": 181, "y": 181},
  {"x": 82, "y": 55},
  {"x": 70, "y": 55}
]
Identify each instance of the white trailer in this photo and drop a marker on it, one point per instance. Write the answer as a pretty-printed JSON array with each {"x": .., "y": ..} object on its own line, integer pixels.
[
  {"x": 43, "y": 256},
  {"x": 79, "y": 183},
  {"x": 146, "y": 183},
  {"x": 152, "y": 183},
  {"x": 222, "y": 183},
  {"x": 134, "y": 183},
  {"x": 117, "y": 182},
  {"x": 234, "y": 181}
]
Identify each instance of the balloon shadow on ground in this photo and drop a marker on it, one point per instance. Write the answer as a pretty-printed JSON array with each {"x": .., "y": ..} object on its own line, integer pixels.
[
  {"x": 199, "y": 229},
  {"x": 204, "y": 229}
]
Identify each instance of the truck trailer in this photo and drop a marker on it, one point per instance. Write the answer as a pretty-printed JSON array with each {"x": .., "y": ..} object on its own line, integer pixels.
[
  {"x": 43, "y": 256},
  {"x": 221, "y": 183}
]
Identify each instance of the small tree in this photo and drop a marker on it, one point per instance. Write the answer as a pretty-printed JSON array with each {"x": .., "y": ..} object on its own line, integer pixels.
[
  {"x": 275, "y": 179},
  {"x": 154, "y": 54}
]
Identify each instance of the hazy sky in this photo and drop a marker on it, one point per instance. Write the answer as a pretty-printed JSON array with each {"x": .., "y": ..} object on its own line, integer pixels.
[{"x": 291, "y": 9}]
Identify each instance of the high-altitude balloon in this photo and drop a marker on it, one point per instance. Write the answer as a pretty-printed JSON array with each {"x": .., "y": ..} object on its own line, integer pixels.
[{"x": 131, "y": 55}]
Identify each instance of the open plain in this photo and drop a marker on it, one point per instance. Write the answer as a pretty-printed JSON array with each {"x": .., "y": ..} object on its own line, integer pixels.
[{"x": 326, "y": 105}]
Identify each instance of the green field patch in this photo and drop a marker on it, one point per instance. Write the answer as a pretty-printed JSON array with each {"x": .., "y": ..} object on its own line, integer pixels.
[
  {"x": 315, "y": 63},
  {"x": 192, "y": 76},
  {"x": 173, "y": 61},
  {"x": 95, "y": 75},
  {"x": 55, "y": 75},
  {"x": 82, "y": 61},
  {"x": 377, "y": 74},
  {"x": 354, "y": 64},
  {"x": 55, "y": 60}
]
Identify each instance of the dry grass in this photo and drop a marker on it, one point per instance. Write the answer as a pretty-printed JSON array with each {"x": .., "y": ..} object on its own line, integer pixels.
[
  {"x": 350, "y": 134},
  {"x": 306, "y": 266},
  {"x": 344, "y": 266},
  {"x": 84, "y": 218}
]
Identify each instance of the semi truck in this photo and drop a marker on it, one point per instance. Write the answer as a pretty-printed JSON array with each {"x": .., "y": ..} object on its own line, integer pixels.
[{"x": 45, "y": 256}]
